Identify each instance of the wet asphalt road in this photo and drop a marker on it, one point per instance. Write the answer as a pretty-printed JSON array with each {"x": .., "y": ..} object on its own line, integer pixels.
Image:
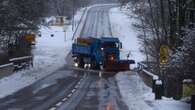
[
  {"x": 44, "y": 93},
  {"x": 68, "y": 89}
]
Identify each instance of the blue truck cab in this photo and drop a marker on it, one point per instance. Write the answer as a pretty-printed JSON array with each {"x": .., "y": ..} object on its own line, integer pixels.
[{"x": 111, "y": 45}]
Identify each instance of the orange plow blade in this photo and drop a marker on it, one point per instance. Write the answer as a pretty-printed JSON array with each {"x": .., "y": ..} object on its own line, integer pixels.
[{"x": 122, "y": 65}]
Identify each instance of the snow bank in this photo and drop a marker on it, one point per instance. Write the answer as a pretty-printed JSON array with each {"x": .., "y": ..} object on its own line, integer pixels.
[
  {"x": 170, "y": 104},
  {"x": 123, "y": 29},
  {"x": 132, "y": 90},
  {"x": 138, "y": 96}
]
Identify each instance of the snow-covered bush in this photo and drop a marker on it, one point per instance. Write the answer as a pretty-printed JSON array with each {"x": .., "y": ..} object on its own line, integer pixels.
[{"x": 184, "y": 57}]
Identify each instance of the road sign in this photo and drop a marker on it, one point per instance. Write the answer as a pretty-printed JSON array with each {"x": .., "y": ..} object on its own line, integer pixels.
[
  {"x": 164, "y": 53},
  {"x": 29, "y": 37}
]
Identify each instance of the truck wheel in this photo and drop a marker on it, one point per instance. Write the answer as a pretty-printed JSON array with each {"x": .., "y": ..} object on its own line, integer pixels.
[
  {"x": 81, "y": 63},
  {"x": 97, "y": 67},
  {"x": 94, "y": 65}
]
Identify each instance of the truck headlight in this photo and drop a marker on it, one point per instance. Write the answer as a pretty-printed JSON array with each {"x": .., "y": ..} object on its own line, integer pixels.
[
  {"x": 111, "y": 58},
  {"x": 85, "y": 65},
  {"x": 89, "y": 65},
  {"x": 76, "y": 64}
]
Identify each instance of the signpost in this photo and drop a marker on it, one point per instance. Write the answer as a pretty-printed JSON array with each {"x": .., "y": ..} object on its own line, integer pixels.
[
  {"x": 29, "y": 37},
  {"x": 164, "y": 53}
]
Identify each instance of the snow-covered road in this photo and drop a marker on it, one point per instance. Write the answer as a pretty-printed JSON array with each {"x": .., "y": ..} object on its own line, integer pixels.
[
  {"x": 97, "y": 22},
  {"x": 100, "y": 92}
]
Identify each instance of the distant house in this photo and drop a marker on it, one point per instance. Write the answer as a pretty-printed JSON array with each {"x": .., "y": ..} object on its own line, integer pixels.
[{"x": 59, "y": 21}]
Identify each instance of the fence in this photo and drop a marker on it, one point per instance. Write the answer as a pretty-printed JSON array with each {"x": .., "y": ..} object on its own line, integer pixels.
[
  {"x": 148, "y": 77},
  {"x": 15, "y": 65},
  {"x": 22, "y": 62}
]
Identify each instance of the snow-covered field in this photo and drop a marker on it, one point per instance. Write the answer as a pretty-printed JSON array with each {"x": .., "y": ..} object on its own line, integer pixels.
[
  {"x": 49, "y": 55},
  {"x": 134, "y": 92}
]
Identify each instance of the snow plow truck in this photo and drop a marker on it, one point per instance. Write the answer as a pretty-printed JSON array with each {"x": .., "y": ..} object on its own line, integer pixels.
[{"x": 99, "y": 53}]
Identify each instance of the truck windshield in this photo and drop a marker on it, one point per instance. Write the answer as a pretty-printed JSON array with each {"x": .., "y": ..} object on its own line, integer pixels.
[{"x": 110, "y": 45}]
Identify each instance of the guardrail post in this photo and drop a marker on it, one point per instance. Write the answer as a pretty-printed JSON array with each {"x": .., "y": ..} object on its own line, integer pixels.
[
  {"x": 22, "y": 62},
  {"x": 158, "y": 89},
  {"x": 153, "y": 84},
  {"x": 193, "y": 102}
]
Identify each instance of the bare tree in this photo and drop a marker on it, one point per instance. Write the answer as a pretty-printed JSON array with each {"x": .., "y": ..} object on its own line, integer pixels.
[
  {"x": 171, "y": 23},
  {"x": 18, "y": 17}
]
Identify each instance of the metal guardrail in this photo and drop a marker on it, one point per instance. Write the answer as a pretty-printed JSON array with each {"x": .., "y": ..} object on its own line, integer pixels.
[
  {"x": 20, "y": 58},
  {"x": 143, "y": 69},
  {"x": 22, "y": 62},
  {"x": 6, "y": 65},
  {"x": 154, "y": 77},
  {"x": 142, "y": 65},
  {"x": 151, "y": 80},
  {"x": 15, "y": 65}
]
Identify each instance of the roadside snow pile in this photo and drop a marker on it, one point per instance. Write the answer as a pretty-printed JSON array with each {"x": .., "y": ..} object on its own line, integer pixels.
[
  {"x": 48, "y": 56},
  {"x": 132, "y": 90},
  {"x": 122, "y": 28},
  {"x": 170, "y": 104},
  {"x": 138, "y": 96}
]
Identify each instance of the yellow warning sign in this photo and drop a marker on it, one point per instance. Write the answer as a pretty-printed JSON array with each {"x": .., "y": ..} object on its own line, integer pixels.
[
  {"x": 29, "y": 37},
  {"x": 164, "y": 53}
]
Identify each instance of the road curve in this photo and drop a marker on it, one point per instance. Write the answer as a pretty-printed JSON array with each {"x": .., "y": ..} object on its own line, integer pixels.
[{"x": 97, "y": 23}]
